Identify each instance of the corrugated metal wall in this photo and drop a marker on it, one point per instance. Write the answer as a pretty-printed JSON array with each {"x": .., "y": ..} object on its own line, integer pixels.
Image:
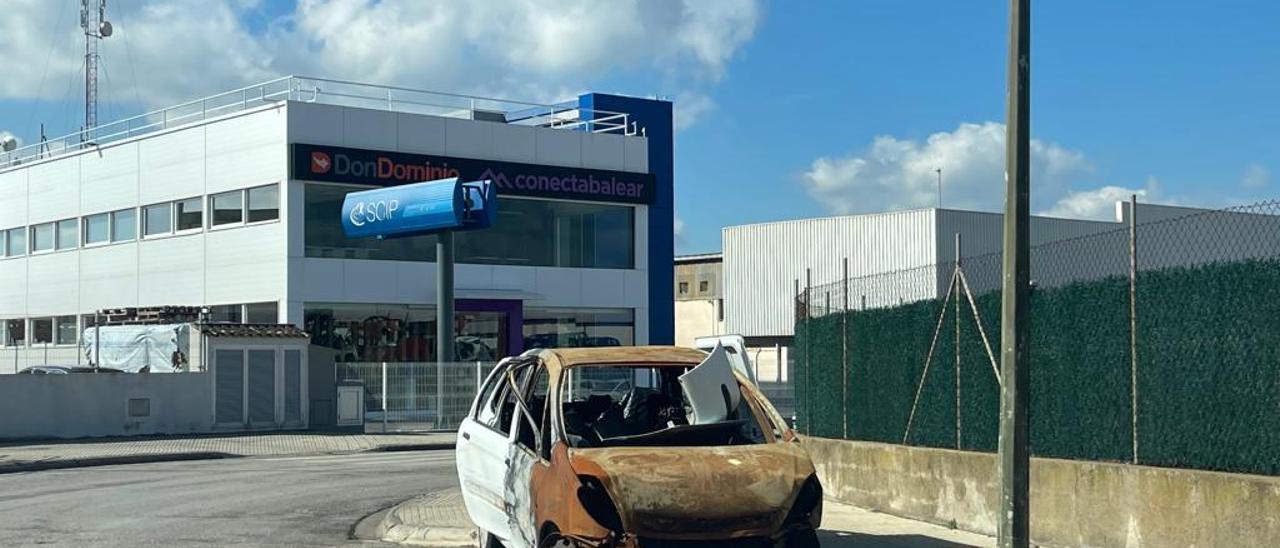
[{"x": 762, "y": 261}]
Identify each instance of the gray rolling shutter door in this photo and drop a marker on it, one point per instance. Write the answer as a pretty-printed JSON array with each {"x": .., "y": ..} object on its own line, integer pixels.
[
  {"x": 292, "y": 386},
  {"x": 229, "y": 390},
  {"x": 262, "y": 387}
]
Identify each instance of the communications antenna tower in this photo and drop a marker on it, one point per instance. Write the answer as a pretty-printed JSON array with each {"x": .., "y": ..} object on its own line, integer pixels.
[{"x": 96, "y": 27}]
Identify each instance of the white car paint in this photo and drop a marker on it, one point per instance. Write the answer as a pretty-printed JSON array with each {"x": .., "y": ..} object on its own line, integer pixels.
[
  {"x": 736, "y": 348},
  {"x": 480, "y": 451}
]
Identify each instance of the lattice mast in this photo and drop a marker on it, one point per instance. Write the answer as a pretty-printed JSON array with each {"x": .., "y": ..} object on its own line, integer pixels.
[{"x": 96, "y": 27}]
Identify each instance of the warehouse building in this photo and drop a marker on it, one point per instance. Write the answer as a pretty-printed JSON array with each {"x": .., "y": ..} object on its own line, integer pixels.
[
  {"x": 759, "y": 289},
  {"x": 232, "y": 202}
]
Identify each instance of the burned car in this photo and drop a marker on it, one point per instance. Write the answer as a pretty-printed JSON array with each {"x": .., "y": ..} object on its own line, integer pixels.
[{"x": 632, "y": 447}]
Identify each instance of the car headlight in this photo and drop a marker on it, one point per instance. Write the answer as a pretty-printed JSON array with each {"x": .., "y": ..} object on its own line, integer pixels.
[{"x": 595, "y": 500}]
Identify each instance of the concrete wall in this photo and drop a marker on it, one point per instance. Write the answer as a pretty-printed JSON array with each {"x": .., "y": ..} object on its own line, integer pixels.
[
  {"x": 72, "y": 406},
  {"x": 1074, "y": 503}
]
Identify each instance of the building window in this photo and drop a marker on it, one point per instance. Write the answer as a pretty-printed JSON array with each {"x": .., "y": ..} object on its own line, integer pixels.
[
  {"x": 97, "y": 229},
  {"x": 124, "y": 225},
  {"x": 372, "y": 332},
  {"x": 13, "y": 332},
  {"x": 684, "y": 288},
  {"x": 228, "y": 208},
  {"x": 574, "y": 327},
  {"x": 190, "y": 214},
  {"x": 264, "y": 203},
  {"x": 68, "y": 234},
  {"x": 42, "y": 238},
  {"x": 157, "y": 219},
  {"x": 42, "y": 331},
  {"x": 261, "y": 312},
  {"x": 65, "y": 331},
  {"x": 702, "y": 286},
  {"x": 3, "y": 237},
  {"x": 227, "y": 313},
  {"x": 16, "y": 243},
  {"x": 526, "y": 233}
]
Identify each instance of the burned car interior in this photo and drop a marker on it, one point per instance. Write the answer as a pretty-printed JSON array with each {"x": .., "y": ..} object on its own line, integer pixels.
[{"x": 619, "y": 406}]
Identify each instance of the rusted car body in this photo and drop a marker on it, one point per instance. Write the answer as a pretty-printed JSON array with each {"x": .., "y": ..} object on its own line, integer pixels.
[{"x": 590, "y": 447}]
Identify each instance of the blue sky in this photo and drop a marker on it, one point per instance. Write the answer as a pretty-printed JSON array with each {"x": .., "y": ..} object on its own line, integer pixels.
[{"x": 790, "y": 109}]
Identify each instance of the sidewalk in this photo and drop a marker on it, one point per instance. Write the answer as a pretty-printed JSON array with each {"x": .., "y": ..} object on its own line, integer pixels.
[
  {"x": 44, "y": 455},
  {"x": 438, "y": 520}
]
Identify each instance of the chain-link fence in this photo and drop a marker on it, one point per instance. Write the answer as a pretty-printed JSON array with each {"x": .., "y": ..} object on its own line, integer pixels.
[
  {"x": 1156, "y": 343},
  {"x": 416, "y": 395}
]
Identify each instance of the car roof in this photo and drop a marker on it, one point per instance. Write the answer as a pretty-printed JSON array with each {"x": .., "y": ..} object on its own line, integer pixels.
[{"x": 640, "y": 355}]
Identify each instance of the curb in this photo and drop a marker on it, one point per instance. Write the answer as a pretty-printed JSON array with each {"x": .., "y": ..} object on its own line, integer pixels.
[
  {"x": 59, "y": 464},
  {"x": 433, "y": 537},
  {"x": 439, "y": 446}
]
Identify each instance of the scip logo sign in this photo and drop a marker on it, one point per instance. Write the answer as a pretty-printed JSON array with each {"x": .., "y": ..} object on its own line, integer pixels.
[{"x": 320, "y": 162}]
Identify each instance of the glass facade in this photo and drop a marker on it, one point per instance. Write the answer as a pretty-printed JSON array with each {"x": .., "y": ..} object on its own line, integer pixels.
[
  {"x": 42, "y": 237},
  {"x": 190, "y": 214},
  {"x": 157, "y": 219},
  {"x": 264, "y": 203},
  {"x": 526, "y": 232},
  {"x": 124, "y": 225},
  {"x": 227, "y": 208},
  {"x": 68, "y": 234},
  {"x": 16, "y": 242},
  {"x": 403, "y": 333},
  {"x": 97, "y": 228},
  {"x": 42, "y": 331},
  {"x": 65, "y": 331},
  {"x": 261, "y": 312}
]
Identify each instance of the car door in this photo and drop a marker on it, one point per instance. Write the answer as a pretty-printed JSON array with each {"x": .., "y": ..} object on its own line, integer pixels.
[
  {"x": 482, "y": 454},
  {"x": 525, "y": 454},
  {"x": 736, "y": 347}
]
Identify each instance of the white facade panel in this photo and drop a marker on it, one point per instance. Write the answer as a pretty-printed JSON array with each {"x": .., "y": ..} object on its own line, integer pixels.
[
  {"x": 560, "y": 148},
  {"x": 108, "y": 177},
  {"x": 515, "y": 143},
  {"x": 55, "y": 188},
  {"x": 315, "y": 124},
  {"x": 108, "y": 277},
  {"x": 604, "y": 151},
  {"x": 418, "y": 134},
  {"x": 762, "y": 261},
  {"x": 13, "y": 199},
  {"x": 171, "y": 271},
  {"x": 52, "y": 282},
  {"x": 13, "y": 288},
  {"x": 635, "y": 153},
  {"x": 171, "y": 166},
  {"x": 468, "y": 138},
  {"x": 245, "y": 151},
  {"x": 245, "y": 264},
  {"x": 366, "y": 128}
]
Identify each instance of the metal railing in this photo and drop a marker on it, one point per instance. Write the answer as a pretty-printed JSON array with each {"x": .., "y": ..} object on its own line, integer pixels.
[
  {"x": 416, "y": 395},
  {"x": 331, "y": 92}
]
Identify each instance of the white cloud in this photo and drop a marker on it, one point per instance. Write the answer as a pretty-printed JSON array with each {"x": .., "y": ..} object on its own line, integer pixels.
[
  {"x": 678, "y": 229},
  {"x": 1100, "y": 203},
  {"x": 184, "y": 49},
  {"x": 689, "y": 107},
  {"x": 1256, "y": 176},
  {"x": 897, "y": 173}
]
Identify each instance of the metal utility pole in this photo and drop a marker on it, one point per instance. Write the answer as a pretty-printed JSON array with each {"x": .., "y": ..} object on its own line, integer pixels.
[
  {"x": 444, "y": 294},
  {"x": 96, "y": 27},
  {"x": 939, "y": 170},
  {"x": 1015, "y": 459}
]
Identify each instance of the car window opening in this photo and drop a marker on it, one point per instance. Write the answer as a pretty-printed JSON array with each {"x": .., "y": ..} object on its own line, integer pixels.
[{"x": 618, "y": 406}]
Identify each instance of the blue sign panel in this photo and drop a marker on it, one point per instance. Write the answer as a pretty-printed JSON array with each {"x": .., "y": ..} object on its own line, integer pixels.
[{"x": 419, "y": 208}]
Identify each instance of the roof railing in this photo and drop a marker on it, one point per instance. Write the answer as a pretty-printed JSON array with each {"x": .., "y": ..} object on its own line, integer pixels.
[{"x": 332, "y": 92}]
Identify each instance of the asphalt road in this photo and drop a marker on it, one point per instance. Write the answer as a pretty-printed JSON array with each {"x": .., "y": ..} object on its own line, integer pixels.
[{"x": 271, "y": 501}]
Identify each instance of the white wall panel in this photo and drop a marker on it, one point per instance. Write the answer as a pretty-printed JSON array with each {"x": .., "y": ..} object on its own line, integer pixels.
[
  {"x": 171, "y": 271},
  {"x": 52, "y": 283},
  {"x": 245, "y": 264},
  {"x": 420, "y": 134},
  {"x": 55, "y": 189},
  {"x": 246, "y": 150},
  {"x": 603, "y": 151},
  {"x": 514, "y": 278},
  {"x": 369, "y": 282},
  {"x": 515, "y": 143},
  {"x": 321, "y": 279},
  {"x": 761, "y": 261},
  {"x": 13, "y": 288},
  {"x": 315, "y": 124},
  {"x": 108, "y": 177},
  {"x": 558, "y": 286},
  {"x": 108, "y": 277},
  {"x": 560, "y": 148},
  {"x": 13, "y": 198},
  {"x": 171, "y": 165},
  {"x": 603, "y": 287},
  {"x": 416, "y": 282},
  {"x": 365, "y": 128},
  {"x": 635, "y": 290},
  {"x": 635, "y": 152},
  {"x": 468, "y": 138}
]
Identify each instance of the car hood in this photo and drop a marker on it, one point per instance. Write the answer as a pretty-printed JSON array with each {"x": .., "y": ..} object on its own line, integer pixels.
[{"x": 742, "y": 490}]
